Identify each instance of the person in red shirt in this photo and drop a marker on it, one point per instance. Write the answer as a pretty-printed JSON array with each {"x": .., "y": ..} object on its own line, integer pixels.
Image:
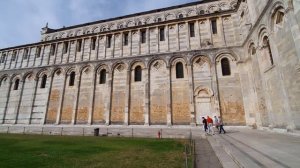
[{"x": 210, "y": 125}]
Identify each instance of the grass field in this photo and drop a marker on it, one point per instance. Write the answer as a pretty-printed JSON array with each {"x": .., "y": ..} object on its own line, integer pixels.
[{"x": 65, "y": 151}]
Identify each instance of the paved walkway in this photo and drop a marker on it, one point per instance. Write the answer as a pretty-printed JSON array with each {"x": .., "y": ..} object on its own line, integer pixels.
[
  {"x": 255, "y": 149},
  {"x": 205, "y": 156}
]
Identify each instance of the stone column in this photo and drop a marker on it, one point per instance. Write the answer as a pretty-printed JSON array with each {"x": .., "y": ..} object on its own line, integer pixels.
[
  {"x": 148, "y": 40},
  {"x": 55, "y": 52},
  {"x": 215, "y": 87},
  {"x": 6, "y": 57},
  {"x": 127, "y": 97},
  {"x": 92, "y": 99},
  {"x": 191, "y": 90},
  {"x": 36, "y": 79},
  {"x": 62, "y": 94},
  {"x": 188, "y": 36},
  {"x": 82, "y": 49},
  {"x": 147, "y": 96},
  {"x": 167, "y": 37},
  {"x": 177, "y": 37},
  {"x": 90, "y": 50},
  {"x": 69, "y": 50},
  {"x": 158, "y": 39},
  {"x": 20, "y": 99},
  {"x": 113, "y": 38},
  {"x": 42, "y": 57},
  {"x": 49, "y": 93},
  {"x": 98, "y": 45},
  {"x": 223, "y": 31},
  {"x": 77, "y": 91},
  {"x": 17, "y": 57},
  {"x": 109, "y": 97},
  {"x": 198, "y": 34},
  {"x": 7, "y": 101},
  {"x": 169, "y": 96}
]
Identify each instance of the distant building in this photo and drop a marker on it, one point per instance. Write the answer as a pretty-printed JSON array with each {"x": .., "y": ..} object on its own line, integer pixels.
[{"x": 235, "y": 58}]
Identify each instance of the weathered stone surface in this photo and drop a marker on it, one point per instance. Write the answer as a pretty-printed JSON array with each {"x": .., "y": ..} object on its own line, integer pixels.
[{"x": 257, "y": 85}]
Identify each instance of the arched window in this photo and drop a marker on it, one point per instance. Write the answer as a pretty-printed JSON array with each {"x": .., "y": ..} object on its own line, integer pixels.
[
  {"x": 180, "y": 16},
  {"x": 138, "y": 74},
  {"x": 179, "y": 70},
  {"x": 266, "y": 44},
  {"x": 72, "y": 79},
  {"x": 225, "y": 67},
  {"x": 44, "y": 81},
  {"x": 16, "y": 86},
  {"x": 102, "y": 76}
]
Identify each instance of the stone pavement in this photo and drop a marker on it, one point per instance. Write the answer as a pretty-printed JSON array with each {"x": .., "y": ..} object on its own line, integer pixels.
[
  {"x": 249, "y": 148},
  {"x": 205, "y": 156}
]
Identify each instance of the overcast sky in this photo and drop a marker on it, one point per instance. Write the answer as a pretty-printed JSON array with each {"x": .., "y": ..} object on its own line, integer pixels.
[{"x": 22, "y": 20}]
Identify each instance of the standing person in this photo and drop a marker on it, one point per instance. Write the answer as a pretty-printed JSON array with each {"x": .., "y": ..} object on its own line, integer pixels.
[
  {"x": 204, "y": 121},
  {"x": 210, "y": 125},
  {"x": 216, "y": 122},
  {"x": 221, "y": 126}
]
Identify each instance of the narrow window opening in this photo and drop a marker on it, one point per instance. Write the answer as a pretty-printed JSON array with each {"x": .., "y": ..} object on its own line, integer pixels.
[
  {"x": 202, "y": 12},
  {"x": 38, "y": 52},
  {"x": 3, "y": 58},
  {"x": 125, "y": 39},
  {"x": 214, "y": 26},
  {"x": 102, "y": 76},
  {"x": 66, "y": 47},
  {"x": 16, "y": 86},
  {"x": 108, "y": 43},
  {"x": 143, "y": 36},
  {"x": 225, "y": 67},
  {"x": 79, "y": 45},
  {"x": 138, "y": 74},
  {"x": 25, "y": 54},
  {"x": 13, "y": 58},
  {"x": 279, "y": 18},
  {"x": 44, "y": 81},
  {"x": 94, "y": 39},
  {"x": 180, "y": 16},
  {"x": 179, "y": 70},
  {"x": 72, "y": 79},
  {"x": 192, "y": 29},
  {"x": 162, "y": 34},
  {"x": 159, "y": 19},
  {"x": 52, "y": 49}
]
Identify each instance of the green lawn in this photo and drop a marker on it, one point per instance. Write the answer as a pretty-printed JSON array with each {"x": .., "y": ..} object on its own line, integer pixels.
[{"x": 65, "y": 151}]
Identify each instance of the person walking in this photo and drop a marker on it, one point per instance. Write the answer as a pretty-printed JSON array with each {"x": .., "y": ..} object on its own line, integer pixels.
[
  {"x": 221, "y": 126},
  {"x": 204, "y": 121},
  {"x": 210, "y": 126},
  {"x": 216, "y": 122}
]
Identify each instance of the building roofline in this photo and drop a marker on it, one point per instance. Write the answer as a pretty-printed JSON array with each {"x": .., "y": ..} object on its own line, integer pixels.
[{"x": 131, "y": 15}]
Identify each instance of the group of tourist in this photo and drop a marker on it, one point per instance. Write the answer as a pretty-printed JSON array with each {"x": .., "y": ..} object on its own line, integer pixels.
[{"x": 208, "y": 124}]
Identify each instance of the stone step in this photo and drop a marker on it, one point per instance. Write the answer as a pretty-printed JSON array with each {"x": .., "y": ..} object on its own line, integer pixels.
[{"x": 244, "y": 155}]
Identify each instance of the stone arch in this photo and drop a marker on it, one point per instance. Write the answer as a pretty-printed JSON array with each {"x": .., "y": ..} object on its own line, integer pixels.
[
  {"x": 153, "y": 59},
  {"x": 192, "y": 12},
  {"x": 180, "y": 13},
  {"x": 194, "y": 58},
  {"x": 230, "y": 54},
  {"x": 99, "y": 67},
  {"x": 27, "y": 74},
  {"x": 130, "y": 23},
  {"x": 203, "y": 92},
  {"x": 277, "y": 9},
  {"x": 213, "y": 8},
  {"x": 170, "y": 16},
  {"x": 117, "y": 64},
  {"x": 96, "y": 29},
  {"x": 78, "y": 32},
  {"x": 57, "y": 71},
  {"x": 42, "y": 72},
  {"x": 68, "y": 70},
  {"x": 262, "y": 31},
  {"x": 173, "y": 61},
  {"x": 3, "y": 78},
  {"x": 136, "y": 63},
  {"x": 70, "y": 33},
  {"x": 88, "y": 66},
  {"x": 251, "y": 49},
  {"x": 14, "y": 77},
  {"x": 103, "y": 27}
]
